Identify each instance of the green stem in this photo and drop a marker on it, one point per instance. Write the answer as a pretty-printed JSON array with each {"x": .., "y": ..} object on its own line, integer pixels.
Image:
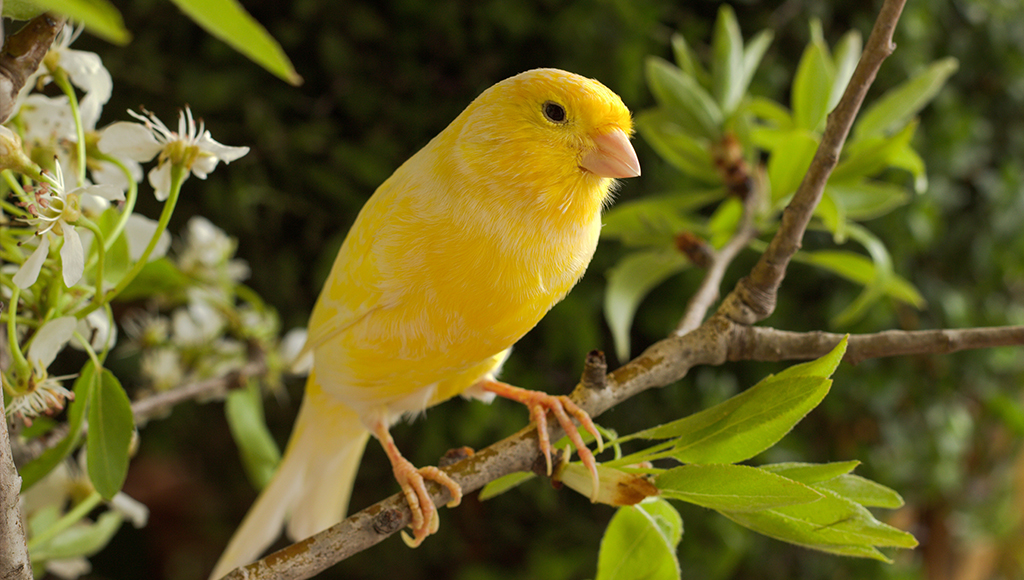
[
  {"x": 97, "y": 361},
  {"x": 129, "y": 199},
  {"x": 101, "y": 252},
  {"x": 20, "y": 362},
  {"x": 19, "y": 191},
  {"x": 61, "y": 78},
  {"x": 69, "y": 519},
  {"x": 178, "y": 174}
]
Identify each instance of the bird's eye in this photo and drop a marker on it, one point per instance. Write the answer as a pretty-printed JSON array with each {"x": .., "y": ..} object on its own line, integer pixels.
[{"x": 554, "y": 112}]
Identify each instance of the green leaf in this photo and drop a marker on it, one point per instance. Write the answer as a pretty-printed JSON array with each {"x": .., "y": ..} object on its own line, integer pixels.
[
  {"x": 157, "y": 278},
  {"x": 687, "y": 60},
  {"x": 847, "y": 55},
  {"x": 812, "y": 86},
  {"x": 655, "y": 220},
  {"x": 771, "y": 112},
  {"x": 504, "y": 483},
  {"x": 640, "y": 543},
  {"x": 628, "y": 282},
  {"x": 727, "y": 67},
  {"x": 260, "y": 455},
  {"x": 82, "y": 539},
  {"x": 832, "y": 524},
  {"x": 893, "y": 109},
  {"x": 859, "y": 269},
  {"x": 752, "y": 56},
  {"x": 863, "y": 491},
  {"x": 228, "y": 21},
  {"x": 742, "y": 426},
  {"x": 821, "y": 368},
  {"x": 100, "y": 17},
  {"x": 116, "y": 260},
  {"x": 110, "y": 434},
  {"x": 673, "y": 144},
  {"x": 36, "y": 469},
  {"x": 811, "y": 473},
  {"x": 750, "y": 422},
  {"x": 691, "y": 106},
  {"x": 723, "y": 222},
  {"x": 865, "y": 200},
  {"x": 791, "y": 156},
  {"x": 868, "y": 156},
  {"x": 735, "y": 488}
]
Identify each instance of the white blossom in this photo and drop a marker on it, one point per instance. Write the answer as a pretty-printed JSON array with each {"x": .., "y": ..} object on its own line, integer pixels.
[
  {"x": 54, "y": 212},
  {"x": 191, "y": 147}
]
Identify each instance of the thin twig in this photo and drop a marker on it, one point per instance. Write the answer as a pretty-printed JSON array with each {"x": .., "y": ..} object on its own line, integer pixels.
[
  {"x": 707, "y": 292},
  {"x": 754, "y": 297},
  {"x": 146, "y": 408}
]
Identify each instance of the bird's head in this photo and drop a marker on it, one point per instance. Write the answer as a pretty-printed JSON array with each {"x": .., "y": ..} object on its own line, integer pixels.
[{"x": 552, "y": 131}]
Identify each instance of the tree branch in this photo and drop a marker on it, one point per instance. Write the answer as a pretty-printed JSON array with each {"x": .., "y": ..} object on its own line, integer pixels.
[
  {"x": 22, "y": 54},
  {"x": 146, "y": 408},
  {"x": 769, "y": 344},
  {"x": 754, "y": 297},
  {"x": 14, "y": 562}
]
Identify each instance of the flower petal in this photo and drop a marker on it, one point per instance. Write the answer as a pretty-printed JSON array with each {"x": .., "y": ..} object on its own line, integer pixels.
[
  {"x": 108, "y": 192},
  {"x": 160, "y": 180},
  {"x": 140, "y": 230},
  {"x": 72, "y": 257},
  {"x": 87, "y": 73},
  {"x": 49, "y": 340},
  {"x": 131, "y": 140},
  {"x": 29, "y": 271}
]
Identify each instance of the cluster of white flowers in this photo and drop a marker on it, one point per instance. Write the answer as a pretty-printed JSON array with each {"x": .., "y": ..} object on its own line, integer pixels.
[{"x": 71, "y": 242}]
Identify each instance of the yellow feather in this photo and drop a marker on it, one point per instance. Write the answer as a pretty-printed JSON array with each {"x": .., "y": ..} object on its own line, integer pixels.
[{"x": 454, "y": 258}]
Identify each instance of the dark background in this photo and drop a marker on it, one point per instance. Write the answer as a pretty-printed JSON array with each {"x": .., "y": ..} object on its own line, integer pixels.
[{"x": 382, "y": 77}]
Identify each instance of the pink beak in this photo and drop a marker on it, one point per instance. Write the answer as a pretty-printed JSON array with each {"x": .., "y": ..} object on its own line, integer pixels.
[{"x": 613, "y": 156}]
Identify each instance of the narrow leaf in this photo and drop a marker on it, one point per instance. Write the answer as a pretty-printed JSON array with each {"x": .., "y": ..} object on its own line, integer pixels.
[
  {"x": 228, "y": 21},
  {"x": 734, "y": 488},
  {"x": 83, "y": 539},
  {"x": 504, "y": 483},
  {"x": 100, "y": 17},
  {"x": 36, "y": 469},
  {"x": 743, "y": 426},
  {"x": 629, "y": 281},
  {"x": 655, "y": 220},
  {"x": 790, "y": 158},
  {"x": 863, "y": 491},
  {"x": 812, "y": 85},
  {"x": 260, "y": 455},
  {"x": 687, "y": 60},
  {"x": 635, "y": 547},
  {"x": 847, "y": 55},
  {"x": 752, "y": 56},
  {"x": 821, "y": 368},
  {"x": 811, "y": 473},
  {"x": 693, "y": 108},
  {"x": 673, "y": 144},
  {"x": 893, "y": 109},
  {"x": 110, "y": 434},
  {"x": 727, "y": 60},
  {"x": 832, "y": 524}
]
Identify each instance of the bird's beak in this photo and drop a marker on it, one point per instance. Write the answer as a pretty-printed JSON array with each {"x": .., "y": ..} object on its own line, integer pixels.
[{"x": 613, "y": 156}]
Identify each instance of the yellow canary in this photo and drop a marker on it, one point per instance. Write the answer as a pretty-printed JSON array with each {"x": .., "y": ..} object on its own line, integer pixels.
[{"x": 451, "y": 261}]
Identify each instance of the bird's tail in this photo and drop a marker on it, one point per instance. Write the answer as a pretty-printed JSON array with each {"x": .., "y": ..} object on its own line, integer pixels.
[{"x": 311, "y": 488}]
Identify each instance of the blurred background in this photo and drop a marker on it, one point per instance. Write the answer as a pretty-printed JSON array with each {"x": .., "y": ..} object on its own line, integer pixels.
[{"x": 383, "y": 76}]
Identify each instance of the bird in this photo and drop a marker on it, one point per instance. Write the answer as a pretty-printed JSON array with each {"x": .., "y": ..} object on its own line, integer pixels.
[{"x": 456, "y": 256}]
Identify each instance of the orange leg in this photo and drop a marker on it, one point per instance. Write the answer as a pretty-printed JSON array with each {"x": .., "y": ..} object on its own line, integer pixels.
[
  {"x": 425, "y": 519},
  {"x": 562, "y": 407}
]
